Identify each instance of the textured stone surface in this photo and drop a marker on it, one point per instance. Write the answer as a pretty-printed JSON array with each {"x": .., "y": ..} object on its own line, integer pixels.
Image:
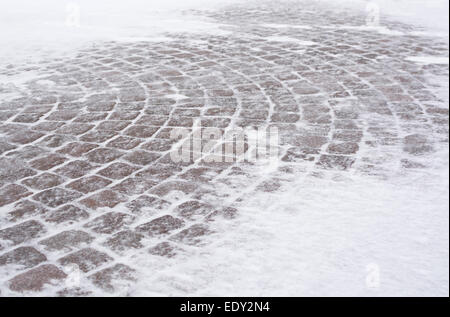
[
  {"x": 86, "y": 174},
  {"x": 125, "y": 240},
  {"x": 107, "y": 278},
  {"x": 22, "y": 232},
  {"x": 23, "y": 256},
  {"x": 66, "y": 240},
  {"x": 35, "y": 279},
  {"x": 161, "y": 225},
  {"x": 109, "y": 222},
  {"x": 86, "y": 259}
]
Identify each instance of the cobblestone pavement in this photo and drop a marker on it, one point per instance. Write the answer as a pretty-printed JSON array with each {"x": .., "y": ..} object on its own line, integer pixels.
[{"x": 85, "y": 172}]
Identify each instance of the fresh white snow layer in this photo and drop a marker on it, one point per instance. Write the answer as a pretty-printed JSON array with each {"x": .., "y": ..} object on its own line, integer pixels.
[
  {"x": 287, "y": 39},
  {"x": 428, "y": 60},
  {"x": 351, "y": 235},
  {"x": 31, "y": 30}
]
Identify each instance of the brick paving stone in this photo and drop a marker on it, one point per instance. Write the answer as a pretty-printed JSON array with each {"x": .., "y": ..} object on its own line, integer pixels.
[
  {"x": 417, "y": 144},
  {"x": 89, "y": 159},
  {"x": 89, "y": 184},
  {"x": 25, "y": 137},
  {"x": 67, "y": 213},
  {"x": 5, "y": 147},
  {"x": 26, "y": 208},
  {"x": 145, "y": 202},
  {"x": 98, "y": 136},
  {"x": 343, "y": 148},
  {"x": 125, "y": 240},
  {"x": 109, "y": 223},
  {"x": 106, "y": 198},
  {"x": 47, "y": 162},
  {"x": 103, "y": 155},
  {"x": 43, "y": 181},
  {"x": 74, "y": 128},
  {"x": 161, "y": 225},
  {"x": 113, "y": 125},
  {"x": 157, "y": 145},
  {"x": 87, "y": 259},
  {"x": 124, "y": 115},
  {"x": 22, "y": 232},
  {"x": 35, "y": 279},
  {"x": 335, "y": 162},
  {"x": 47, "y": 126},
  {"x": 134, "y": 185},
  {"x": 101, "y": 106},
  {"x": 12, "y": 193},
  {"x": 13, "y": 169},
  {"x": 26, "y": 257},
  {"x": 55, "y": 141},
  {"x": 158, "y": 172},
  {"x": 75, "y": 169},
  {"x": 298, "y": 154},
  {"x": 226, "y": 213},
  {"x": 191, "y": 235},
  {"x": 77, "y": 149},
  {"x": 111, "y": 278},
  {"x": 167, "y": 187},
  {"x": 141, "y": 131},
  {"x": 164, "y": 249},
  {"x": 63, "y": 115},
  {"x": 26, "y": 153},
  {"x": 141, "y": 157},
  {"x": 124, "y": 143},
  {"x": 117, "y": 170},
  {"x": 66, "y": 240},
  {"x": 193, "y": 209},
  {"x": 91, "y": 117},
  {"x": 55, "y": 197},
  {"x": 200, "y": 174}
]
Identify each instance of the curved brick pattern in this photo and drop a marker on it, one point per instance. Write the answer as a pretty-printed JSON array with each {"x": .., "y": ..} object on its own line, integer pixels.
[{"x": 86, "y": 174}]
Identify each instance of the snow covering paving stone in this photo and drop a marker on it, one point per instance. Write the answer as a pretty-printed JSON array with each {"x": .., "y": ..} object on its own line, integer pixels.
[{"x": 87, "y": 177}]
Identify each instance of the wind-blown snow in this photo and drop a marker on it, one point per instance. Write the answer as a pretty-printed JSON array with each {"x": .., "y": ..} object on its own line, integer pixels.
[
  {"x": 32, "y": 30},
  {"x": 319, "y": 238},
  {"x": 318, "y": 235},
  {"x": 428, "y": 60}
]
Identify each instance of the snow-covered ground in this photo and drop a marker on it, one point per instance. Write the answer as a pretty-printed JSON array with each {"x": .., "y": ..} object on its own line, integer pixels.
[
  {"x": 31, "y": 30},
  {"x": 338, "y": 235},
  {"x": 322, "y": 237}
]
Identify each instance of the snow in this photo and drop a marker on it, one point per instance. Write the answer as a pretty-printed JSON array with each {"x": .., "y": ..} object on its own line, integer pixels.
[
  {"x": 379, "y": 29},
  {"x": 32, "y": 30},
  {"x": 284, "y": 26},
  {"x": 319, "y": 235},
  {"x": 287, "y": 39},
  {"x": 432, "y": 15},
  {"x": 317, "y": 239},
  {"x": 428, "y": 60}
]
